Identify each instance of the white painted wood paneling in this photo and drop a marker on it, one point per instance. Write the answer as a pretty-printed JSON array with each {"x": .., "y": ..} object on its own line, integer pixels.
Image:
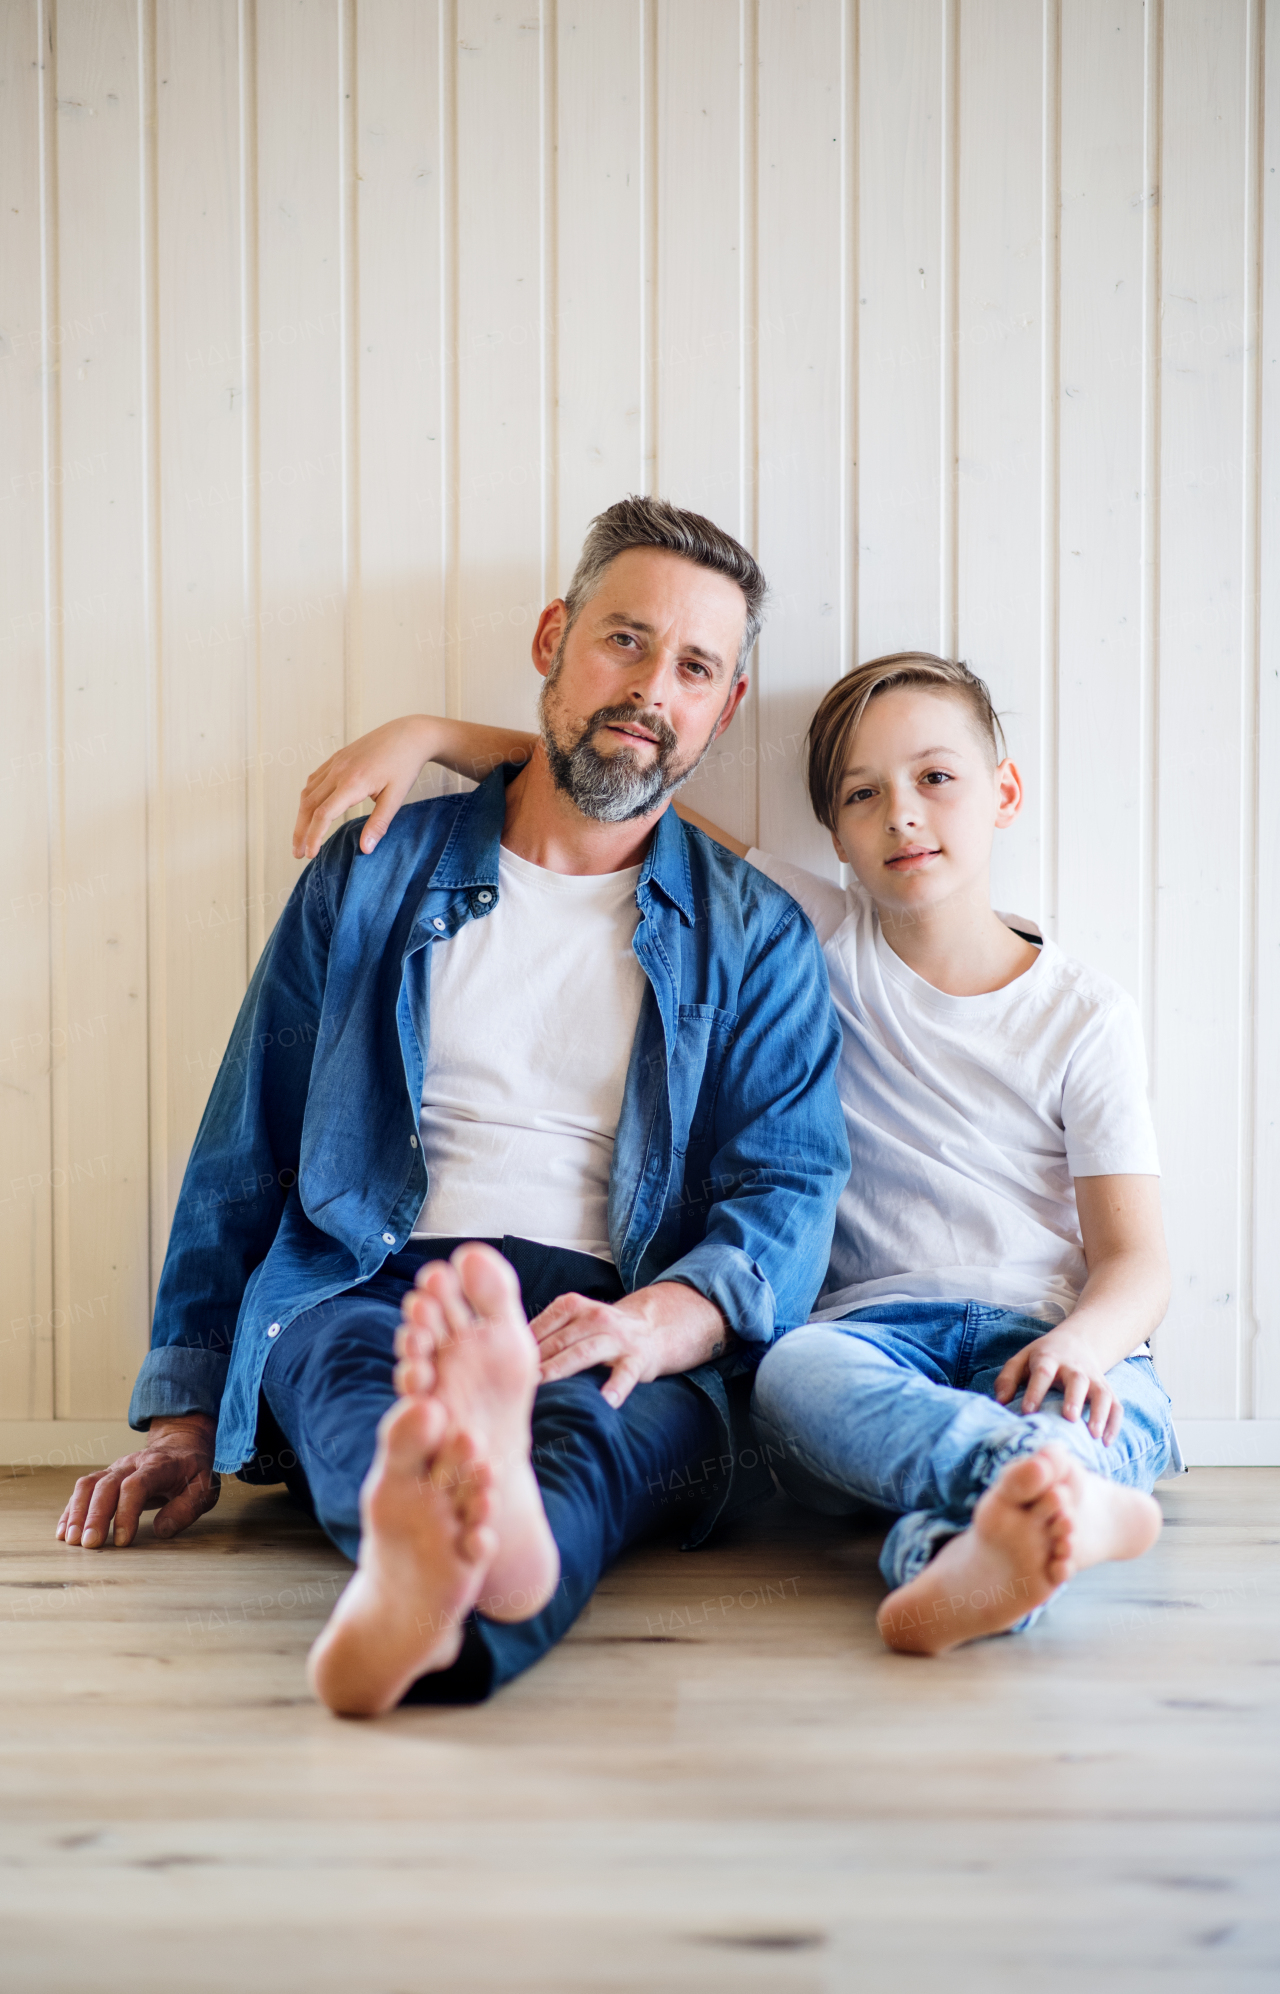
[
  {"x": 31, "y": 767},
  {"x": 102, "y": 687},
  {"x": 329, "y": 324}
]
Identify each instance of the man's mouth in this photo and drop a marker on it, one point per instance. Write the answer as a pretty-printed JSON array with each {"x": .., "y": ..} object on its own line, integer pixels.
[
  {"x": 912, "y": 858},
  {"x": 631, "y": 733}
]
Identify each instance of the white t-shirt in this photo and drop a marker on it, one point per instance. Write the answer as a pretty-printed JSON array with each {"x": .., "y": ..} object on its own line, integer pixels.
[
  {"x": 968, "y": 1117},
  {"x": 534, "y": 1008}
]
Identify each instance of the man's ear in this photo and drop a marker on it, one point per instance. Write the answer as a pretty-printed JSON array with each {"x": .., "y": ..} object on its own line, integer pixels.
[
  {"x": 731, "y": 705},
  {"x": 546, "y": 638},
  {"x": 1008, "y": 794}
]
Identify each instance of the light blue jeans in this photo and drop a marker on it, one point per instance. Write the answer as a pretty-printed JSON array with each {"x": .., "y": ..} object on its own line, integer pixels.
[{"x": 893, "y": 1409}]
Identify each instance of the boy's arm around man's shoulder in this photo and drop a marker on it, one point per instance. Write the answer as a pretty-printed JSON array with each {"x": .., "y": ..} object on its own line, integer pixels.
[
  {"x": 246, "y": 1154},
  {"x": 780, "y": 1153}
]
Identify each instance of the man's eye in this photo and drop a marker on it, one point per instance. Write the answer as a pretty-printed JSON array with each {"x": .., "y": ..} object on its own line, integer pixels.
[
  {"x": 623, "y": 637},
  {"x": 692, "y": 665}
]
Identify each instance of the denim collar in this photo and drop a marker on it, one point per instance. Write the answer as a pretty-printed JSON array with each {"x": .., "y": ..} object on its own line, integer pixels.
[{"x": 470, "y": 855}]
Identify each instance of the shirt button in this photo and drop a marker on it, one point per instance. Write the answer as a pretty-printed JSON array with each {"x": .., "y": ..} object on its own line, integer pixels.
[
  {"x": 413, "y": 1142},
  {"x": 274, "y": 1329},
  {"x": 484, "y": 898},
  {"x": 438, "y": 923},
  {"x": 388, "y": 1239}
]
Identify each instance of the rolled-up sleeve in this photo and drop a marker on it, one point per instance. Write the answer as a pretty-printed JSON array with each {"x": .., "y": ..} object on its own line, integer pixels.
[{"x": 781, "y": 1157}]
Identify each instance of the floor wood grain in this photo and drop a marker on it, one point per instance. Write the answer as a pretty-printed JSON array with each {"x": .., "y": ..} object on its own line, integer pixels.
[{"x": 720, "y": 1780}]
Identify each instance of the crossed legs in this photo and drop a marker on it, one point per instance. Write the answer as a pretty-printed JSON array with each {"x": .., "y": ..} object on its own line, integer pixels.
[
  {"x": 450, "y": 1512},
  {"x": 996, "y": 1510}
]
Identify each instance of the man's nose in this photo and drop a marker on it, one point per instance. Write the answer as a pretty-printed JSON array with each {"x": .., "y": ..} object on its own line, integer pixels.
[{"x": 650, "y": 679}]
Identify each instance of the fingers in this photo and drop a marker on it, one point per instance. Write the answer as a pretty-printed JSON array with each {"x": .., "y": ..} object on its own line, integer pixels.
[
  {"x": 72, "y": 1519},
  {"x": 624, "y": 1376},
  {"x": 1043, "y": 1372},
  {"x": 1011, "y": 1377},
  {"x": 90, "y": 1519},
  {"x": 581, "y": 1355},
  {"x": 1115, "y": 1420},
  {"x": 1101, "y": 1401},
  {"x": 183, "y": 1509},
  {"x": 1077, "y": 1390},
  {"x": 557, "y": 1314},
  {"x": 386, "y": 803}
]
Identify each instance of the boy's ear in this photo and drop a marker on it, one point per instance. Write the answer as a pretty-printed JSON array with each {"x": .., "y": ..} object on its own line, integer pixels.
[
  {"x": 839, "y": 849},
  {"x": 1008, "y": 794}
]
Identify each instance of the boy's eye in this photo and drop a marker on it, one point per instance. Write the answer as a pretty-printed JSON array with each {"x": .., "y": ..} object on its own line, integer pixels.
[
  {"x": 937, "y": 777},
  {"x": 858, "y": 796}
]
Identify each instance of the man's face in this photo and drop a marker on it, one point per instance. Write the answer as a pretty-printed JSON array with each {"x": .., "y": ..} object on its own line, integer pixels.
[{"x": 640, "y": 687}]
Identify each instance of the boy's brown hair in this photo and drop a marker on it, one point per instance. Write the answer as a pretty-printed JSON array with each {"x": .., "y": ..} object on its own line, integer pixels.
[{"x": 838, "y": 716}]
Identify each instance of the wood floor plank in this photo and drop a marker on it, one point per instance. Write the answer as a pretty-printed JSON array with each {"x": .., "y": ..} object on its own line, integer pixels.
[{"x": 720, "y": 1780}]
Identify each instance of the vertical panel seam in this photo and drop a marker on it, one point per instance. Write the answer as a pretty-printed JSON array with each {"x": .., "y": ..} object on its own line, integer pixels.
[
  {"x": 251, "y": 481},
  {"x": 850, "y": 250},
  {"x": 749, "y": 366},
  {"x": 1050, "y": 427},
  {"x": 450, "y": 460},
  {"x": 349, "y": 364},
  {"x": 55, "y": 690},
  {"x": 1251, "y": 912},
  {"x": 1149, "y": 648},
  {"x": 649, "y": 242},
  {"x": 157, "y": 1018},
  {"x": 549, "y": 54},
  {"x": 949, "y": 306}
]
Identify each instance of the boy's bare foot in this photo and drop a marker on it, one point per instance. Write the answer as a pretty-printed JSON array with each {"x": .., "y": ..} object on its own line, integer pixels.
[
  {"x": 1044, "y": 1519},
  {"x": 425, "y": 1549},
  {"x": 465, "y": 1340}
]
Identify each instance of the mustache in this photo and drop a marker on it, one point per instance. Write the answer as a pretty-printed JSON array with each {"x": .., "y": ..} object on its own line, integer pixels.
[{"x": 663, "y": 732}]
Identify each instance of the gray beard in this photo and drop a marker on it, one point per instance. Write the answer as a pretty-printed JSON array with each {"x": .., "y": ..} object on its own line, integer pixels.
[{"x": 612, "y": 789}]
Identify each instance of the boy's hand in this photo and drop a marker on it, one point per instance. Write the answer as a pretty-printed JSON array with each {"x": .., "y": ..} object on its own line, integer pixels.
[
  {"x": 1065, "y": 1358},
  {"x": 384, "y": 764}
]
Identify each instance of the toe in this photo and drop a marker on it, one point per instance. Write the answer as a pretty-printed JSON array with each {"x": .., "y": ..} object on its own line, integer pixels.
[
  {"x": 408, "y": 1432},
  {"x": 488, "y": 1281},
  {"x": 1027, "y": 1479}
]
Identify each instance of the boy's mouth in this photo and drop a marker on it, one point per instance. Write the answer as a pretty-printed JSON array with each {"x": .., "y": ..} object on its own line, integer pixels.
[{"x": 912, "y": 858}]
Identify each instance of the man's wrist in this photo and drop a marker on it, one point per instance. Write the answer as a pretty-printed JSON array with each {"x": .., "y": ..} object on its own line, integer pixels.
[{"x": 693, "y": 1324}]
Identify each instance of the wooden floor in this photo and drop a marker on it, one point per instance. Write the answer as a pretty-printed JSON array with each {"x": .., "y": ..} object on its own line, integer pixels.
[{"x": 719, "y": 1781}]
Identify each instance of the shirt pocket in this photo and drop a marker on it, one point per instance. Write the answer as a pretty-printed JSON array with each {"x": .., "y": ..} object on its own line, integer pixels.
[{"x": 703, "y": 1037}]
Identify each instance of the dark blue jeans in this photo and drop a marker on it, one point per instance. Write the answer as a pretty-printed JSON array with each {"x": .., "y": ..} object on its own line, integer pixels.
[{"x": 607, "y": 1477}]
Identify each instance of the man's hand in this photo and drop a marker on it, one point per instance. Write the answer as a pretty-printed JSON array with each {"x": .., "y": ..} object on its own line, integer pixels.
[
  {"x": 1067, "y": 1358},
  {"x": 651, "y": 1334},
  {"x": 173, "y": 1472}
]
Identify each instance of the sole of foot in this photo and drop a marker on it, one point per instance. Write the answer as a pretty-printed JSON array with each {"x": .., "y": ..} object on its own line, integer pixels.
[
  {"x": 466, "y": 1340},
  {"x": 426, "y": 1546},
  {"x": 1043, "y": 1520}
]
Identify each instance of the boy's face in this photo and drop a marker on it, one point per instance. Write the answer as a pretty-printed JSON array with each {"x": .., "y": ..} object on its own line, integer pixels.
[{"x": 921, "y": 802}]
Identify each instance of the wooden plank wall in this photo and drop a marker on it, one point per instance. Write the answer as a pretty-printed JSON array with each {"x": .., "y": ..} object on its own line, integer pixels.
[{"x": 329, "y": 324}]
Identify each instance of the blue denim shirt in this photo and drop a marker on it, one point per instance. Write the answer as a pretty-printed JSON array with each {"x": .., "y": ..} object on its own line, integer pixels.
[{"x": 306, "y": 1172}]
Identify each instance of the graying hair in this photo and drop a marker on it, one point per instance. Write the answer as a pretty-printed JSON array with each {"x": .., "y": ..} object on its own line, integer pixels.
[{"x": 654, "y": 522}]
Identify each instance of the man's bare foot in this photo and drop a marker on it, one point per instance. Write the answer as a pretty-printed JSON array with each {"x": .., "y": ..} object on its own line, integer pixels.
[
  {"x": 466, "y": 1341},
  {"x": 425, "y": 1549},
  {"x": 1044, "y": 1519}
]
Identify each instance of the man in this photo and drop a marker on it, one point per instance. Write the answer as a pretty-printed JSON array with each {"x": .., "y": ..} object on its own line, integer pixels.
[{"x": 549, "y": 1017}]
